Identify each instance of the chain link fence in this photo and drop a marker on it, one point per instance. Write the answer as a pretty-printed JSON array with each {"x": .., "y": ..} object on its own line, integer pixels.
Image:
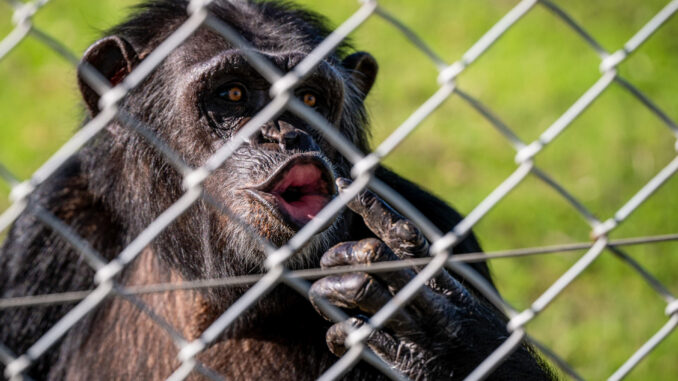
[{"x": 363, "y": 166}]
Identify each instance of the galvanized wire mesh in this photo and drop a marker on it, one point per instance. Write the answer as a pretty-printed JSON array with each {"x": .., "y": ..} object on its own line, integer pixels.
[{"x": 363, "y": 166}]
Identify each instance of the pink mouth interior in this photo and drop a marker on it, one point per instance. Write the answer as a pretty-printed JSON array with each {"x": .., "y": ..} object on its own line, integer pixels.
[{"x": 302, "y": 192}]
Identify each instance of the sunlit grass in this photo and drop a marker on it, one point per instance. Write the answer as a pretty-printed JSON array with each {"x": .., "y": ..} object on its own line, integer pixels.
[{"x": 529, "y": 78}]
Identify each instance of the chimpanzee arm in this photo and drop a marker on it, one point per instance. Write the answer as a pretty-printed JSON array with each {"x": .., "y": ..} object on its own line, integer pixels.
[{"x": 35, "y": 260}]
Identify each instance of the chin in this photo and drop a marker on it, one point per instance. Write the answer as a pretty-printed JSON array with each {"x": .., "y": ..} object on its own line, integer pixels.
[{"x": 260, "y": 226}]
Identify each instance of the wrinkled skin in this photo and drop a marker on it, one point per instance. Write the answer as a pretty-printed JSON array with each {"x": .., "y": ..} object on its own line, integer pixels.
[{"x": 195, "y": 102}]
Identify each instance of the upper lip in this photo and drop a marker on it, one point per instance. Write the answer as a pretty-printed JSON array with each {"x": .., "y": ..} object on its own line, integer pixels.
[{"x": 297, "y": 189}]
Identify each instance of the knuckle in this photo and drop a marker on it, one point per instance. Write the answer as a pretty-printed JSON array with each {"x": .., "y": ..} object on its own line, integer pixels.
[
  {"x": 355, "y": 285},
  {"x": 368, "y": 200},
  {"x": 409, "y": 239},
  {"x": 323, "y": 287},
  {"x": 365, "y": 290},
  {"x": 336, "y": 334},
  {"x": 344, "y": 291},
  {"x": 338, "y": 255},
  {"x": 407, "y": 231},
  {"x": 369, "y": 244},
  {"x": 372, "y": 250},
  {"x": 314, "y": 292}
]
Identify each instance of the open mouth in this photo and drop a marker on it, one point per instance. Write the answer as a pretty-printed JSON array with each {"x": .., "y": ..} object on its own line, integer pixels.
[{"x": 297, "y": 190}]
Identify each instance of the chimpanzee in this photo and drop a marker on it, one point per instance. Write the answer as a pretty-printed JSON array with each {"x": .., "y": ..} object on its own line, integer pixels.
[{"x": 195, "y": 101}]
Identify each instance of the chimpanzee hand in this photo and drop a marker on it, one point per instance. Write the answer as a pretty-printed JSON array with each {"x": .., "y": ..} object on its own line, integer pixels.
[{"x": 443, "y": 333}]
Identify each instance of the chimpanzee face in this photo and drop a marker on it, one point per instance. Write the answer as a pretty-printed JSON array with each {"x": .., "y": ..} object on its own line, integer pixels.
[
  {"x": 283, "y": 175},
  {"x": 279, "y": 178}
]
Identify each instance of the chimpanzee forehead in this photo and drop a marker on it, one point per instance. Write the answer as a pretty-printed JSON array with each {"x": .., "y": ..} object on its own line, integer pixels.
[
  {"x": 206, "y": 44},
  {"x": 208, "y": 52}
]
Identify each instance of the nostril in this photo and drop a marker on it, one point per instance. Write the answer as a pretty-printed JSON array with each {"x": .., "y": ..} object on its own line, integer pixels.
[
  {"x": 287, "y": 137},
  {"x": 269, "y": 134},
  {"x": 290, "y": 138},
  {"x": 260, "y": 137}
]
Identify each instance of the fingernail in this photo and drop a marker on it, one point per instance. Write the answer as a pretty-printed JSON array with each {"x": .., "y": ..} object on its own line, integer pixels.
[
  {"x": 358, "y": 321},
  {"x": 343, "y": 183}
]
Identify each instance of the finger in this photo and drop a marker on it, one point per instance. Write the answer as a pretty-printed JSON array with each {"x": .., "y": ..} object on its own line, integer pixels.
[
  {"x": 365, "y": 252},
  {"x": 428, "y": 310},
  {"x": 372, "y": 250},
  {"x": 354, "y": 290},
  {"x": 358, "y": 291},
  {"x": 381, "y": 343},
  {"x": 409, "y": 360},
  {"x": 399, "y": 233},
  {"x": 425, "y": 303}
]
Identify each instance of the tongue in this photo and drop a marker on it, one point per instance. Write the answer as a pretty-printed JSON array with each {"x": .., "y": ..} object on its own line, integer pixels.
[
  {"x": 310, "y": 192},
  {"x": 305, "y": 208},
  {"x": 302, "y": 175}
]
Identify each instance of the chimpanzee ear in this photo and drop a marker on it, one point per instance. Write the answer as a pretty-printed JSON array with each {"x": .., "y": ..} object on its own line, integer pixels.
[
  {"x": 114, "y": 58},
  {"x": 363, "y": 68}
]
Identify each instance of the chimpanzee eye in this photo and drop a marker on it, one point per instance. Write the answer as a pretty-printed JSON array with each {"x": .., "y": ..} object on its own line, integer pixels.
[
  {"x": 233, "y": 93},
  {"x": 310, "y": 99}
]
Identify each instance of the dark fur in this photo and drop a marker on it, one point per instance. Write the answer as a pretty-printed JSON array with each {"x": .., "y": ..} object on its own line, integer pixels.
[{"x": 118, "y": 184}]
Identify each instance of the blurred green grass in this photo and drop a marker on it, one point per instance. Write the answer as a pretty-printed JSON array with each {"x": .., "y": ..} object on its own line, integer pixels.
[{"x": 529, "y": 78}]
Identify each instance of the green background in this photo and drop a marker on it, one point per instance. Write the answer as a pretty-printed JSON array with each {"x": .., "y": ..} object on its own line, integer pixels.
[{"x": 529, "y": 78}]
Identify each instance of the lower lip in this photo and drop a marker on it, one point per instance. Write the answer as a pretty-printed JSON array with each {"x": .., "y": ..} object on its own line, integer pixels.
[
  {"x": 295, "y": 214},
  {"x": 312, "y": 183}
]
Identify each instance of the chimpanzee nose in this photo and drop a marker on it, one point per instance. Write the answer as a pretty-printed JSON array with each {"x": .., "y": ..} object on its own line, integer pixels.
[{"x": 288, "y": 137}]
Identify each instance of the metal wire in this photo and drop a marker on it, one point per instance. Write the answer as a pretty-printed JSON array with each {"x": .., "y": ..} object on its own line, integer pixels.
[{"x": 441, "y": 243}]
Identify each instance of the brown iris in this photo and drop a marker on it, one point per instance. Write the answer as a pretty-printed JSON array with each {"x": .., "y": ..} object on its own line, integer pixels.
[
  {"x": 310, "y": 100},
  {"x": 234, "y": 93}
]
